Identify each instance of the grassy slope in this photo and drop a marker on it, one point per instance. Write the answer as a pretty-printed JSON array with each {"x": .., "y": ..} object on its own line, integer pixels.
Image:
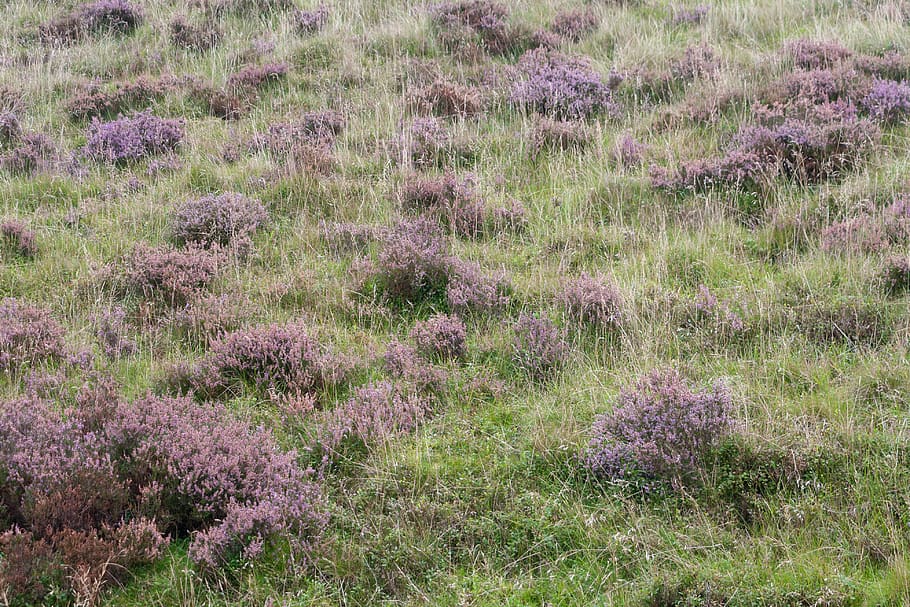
[{"x": 482, "y": 506}]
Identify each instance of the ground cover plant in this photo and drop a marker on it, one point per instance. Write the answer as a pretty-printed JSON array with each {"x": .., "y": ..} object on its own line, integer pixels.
[{"x": 471, "y": 302}]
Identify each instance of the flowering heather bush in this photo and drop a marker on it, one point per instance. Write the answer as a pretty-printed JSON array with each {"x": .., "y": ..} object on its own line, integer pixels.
[
  {"x": 32, "y": 152},
  {"x": 18, "y": 238},
  {"x": 110, "y": 327},
  {"x": 224, "y": 104},
  {"x": 403, "y": 362},
  {"x": 575, "y": 24},
  {"x": 660, "y": 429},
  {"x": 888, "y": 101},
  {"x": 345, "y": 238},
  {"x": 171, "y": 276},
  {"x": 593, "y": 300},
  {"x": 850, "y": 322},
  {"x": 440, "y": 336},
  {"x": 811, "y": 87},
  {"x": 486, "y": 20},
  {"x": 132, "y": 138},
  {"x": 141, "y": 92},
  {"x": 217, "y": 219},
  {"x": 414, "y": 261},
  {"x": 318, "y": 128},
  {"x": 102, "y": 16},
  {"x": 816, "y": 54},
  {"x": 861, "y": 234},
  {"x": 451, "y": 201},
  {"x": 254, "y": 77},
  {"x": 312, "y": 21},
  {"x": 376, "y": 412},
  {"x": 28, "y": 335},
  {"x": 706, "y": 311},
  {"x": 629, "y": 152},
  {"x": 471, "y": 289},
  {"x": 690, "y": 16},
  {"x": 425, "y": 141},
  {"x": 696, "y": 62},
  {"x": 513, "y": 217},
  {"x": 184, "y": 34},
  {"x": 10, "y": 128},
  {"x": 109, "y": 481},
  {"x": 538, "y": 348},
  {"x": 276, "y": 359},
  {"x": 446, "y": 98},
  {"x": 896, "y": 274},
  {"x": 211, "y": 316},
  {"x": 559, "y": 134},
  {"x": 560, "y": 86}
]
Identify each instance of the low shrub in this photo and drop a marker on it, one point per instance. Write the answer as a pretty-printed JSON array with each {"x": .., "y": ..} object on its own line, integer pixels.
[
  {"x": 888, "y": 101},
  {"x": 31, "y": 153},
  {"x": 690, "y": 16},
  {"x": 440, "y": 336},
  {"x": 559, "y": 134},
  {"x": 99, "y": 17},
  {"x": 110, "y": 329},
  {"x": 660, "y": 429},
  {"x": 28, "y": 335},
  {"x": 593, "y": 300},
  {"x": 309, "y": 22},
  {"x": 539, "y": 348},
  {"x": 186, "y": 35},
  {"x": 125, "y": 96},
  {"x": 18, "y": 239},
  {"x": 169, "y": 276},
  {"x": 255, "y": 77},
  {"x": 132, "y": 138},
  {"x": 446, "y": 98},
  {"x": 452, "y": 202},
  {"x": 575, "y": 24},
  {"x": 217, "y": 220},
  {"x": 896, "y": 274}
]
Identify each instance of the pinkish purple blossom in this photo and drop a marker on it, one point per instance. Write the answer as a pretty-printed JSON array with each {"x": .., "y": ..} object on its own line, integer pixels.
[
  {"x": 440, "y": 336},
  {"x": 217, "y": 219},
  {"x": 594, "y": 300},
  {"x": 888, "y": 101},
  {"x": 132, "y": 138},
  {"x": 538, "y": 347}
]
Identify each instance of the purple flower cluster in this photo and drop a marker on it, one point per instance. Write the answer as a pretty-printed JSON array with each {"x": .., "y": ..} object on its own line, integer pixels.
[
  {"x": 278, "y": 359},
  {"x": 414, "y": 264},
  {"x": 485, "y": 19},
  {"x": 441, "y": 336},
  {"x": 452, "y": 202},
  {"x": 132, "y": 138},
  {"x": 560, "y": 86},
  {"x": 32, "y": 152},
  {"x": 217, "y": 220},
  {"x": 211, "y": 316},
  {"x": 318, "y": 128},
  {"x": 169, "y": 465},
  {"x": 446, "y": 98},
  {"x": 425, "y": 141},
  {"x": 896, "y": 274},
  {"x": 28, "y": 335},
  {"x": 861, "y": 234},
  {"x": 593, "y": 300},
  {"x": 816, "y": 54},
  {"x": 110, "y": 327},
  {"x": 539, "y": 347},
  {"x": 575, "y": 24},
  {"x": 16, "y": 236},
  {"x": 661, "y": 429},
  {"x": 171, "y": 276},
  {"x": 888, "y": 101},
  {"x": 719, "y": 316},
  {"x": 141, "y": 92},
  {"x": 10, "y": 127},
  {"x": 308, "y": 22},
  {"x": 101, "y": 16},
  {"x": 629, "y": 152}
]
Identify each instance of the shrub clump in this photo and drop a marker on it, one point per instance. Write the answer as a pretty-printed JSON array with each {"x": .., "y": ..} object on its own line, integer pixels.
[
  {"x": 317, "y": 128},
  {"x": 31, "y": 153},
  {"x": 483, "y": 21},
  {"x": 593, "y": 300},
  {"x": 816, "y": 54},
  {"x": 28, "y": 335},
  {"x": 896, "y": 274},
  {"x": 446, "y": 98},
  {"x": 425, "y": 142},
  {"x": 560, "y": 86},
  {"x": 103, "y": 486},
  {"x": 441, "y": 336},
  {"x": 217, "y": 220},
  {"x": 278, "y": 359},
  {"x": 18, "y": 238},
  {"x": 451, "y": 201},
  {"x": 93, "y": 102},
  {"x": 132, "y": 138},
  {"x": 309, "y": 22},
  {"x": 255, "y": 77},
  {"x": 102, "y": 16},
  {"x": 574, "y": 24},
  {"x": 888, "y": 101},
  {"x": 660, "y": 429},
  {"x": 862, "y": 234},
  {"x": 110, "y": 327},
  {"x": 690, "y": 16},
  {"x": 167, "y": 275},
  {"x": 185, "y": 35},
  {"x": 559, "y": 135},
  {"x": 538, "y": 347}
]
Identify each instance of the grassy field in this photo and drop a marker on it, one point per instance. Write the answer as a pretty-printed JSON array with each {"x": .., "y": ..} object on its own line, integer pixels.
[{"x": 787, "y": 284}]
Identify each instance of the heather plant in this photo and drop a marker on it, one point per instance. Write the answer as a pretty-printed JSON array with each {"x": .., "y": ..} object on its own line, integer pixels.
[
  {"x": 18, "y": 239},
  {"x": 425, "y": 142},
  {"x": 469, "y": 288},
  {"x": 888, "y": 101},
  {"x": 560, "y": 86},
  {"x": 440, "y": 336},
  {"x": 487, "y": 21},
  {"x": 317, "y": 128},
  {"x": 309, "y": 22},
  {"x": 690, "y": 16},
  {"x": 719, "y": 317},
  {"x": 224, "y": 104},
  {"x": 186, "y": 35},
  {"x": 559, "y": 134},
  {"x": 10, "y": 128},
  {"x": 413, "y": 262},
  {"x": 446, "y": 98},
  {"x": 110, "y": 327},
  {"x": 32, "y": 152},
  {"x": 210, "y": 317},
  {"x": 217, "y": 220},
  {"x": 896, "y": 274},
  {"x": 816, "y": 54},
  {"x": 28, "y": 335},
  {"x": 277, "y": 359},
  {"x": 132, "y": 138},
  {"x": 862, "y": 234},
  {"x": 139, "y": 93},
  {"x": 451, "y": 201},
  {"x": 660, "y": 429},
  {"x": 169, "y": 276},
  {"x": 629, "y": 152},
  {"x": 593, "y": 300},
  {"x": 255, "y": 77},
  {"x": 99, "y": 17},
  {"x": 575, "y": 24},
  {"x": 539, "y": 348}
]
